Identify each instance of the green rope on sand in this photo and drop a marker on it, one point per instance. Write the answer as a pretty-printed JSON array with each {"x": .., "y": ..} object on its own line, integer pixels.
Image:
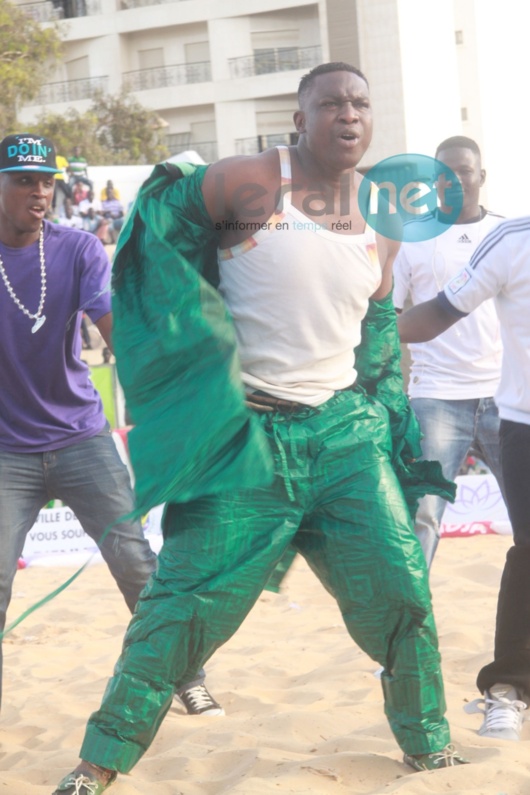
[
  {"x": 45, "y": 599},
  {"x": 134, "y": 515}
]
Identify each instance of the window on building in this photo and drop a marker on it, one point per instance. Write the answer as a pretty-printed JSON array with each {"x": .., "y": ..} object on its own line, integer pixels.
[
  {"x": 78, "y": 68},
  {"x": 459, "y": 36},
  {"x": 197, "y": 52},
  {"x": 151, "y": 59},
  {"x": 203, "y": 130},
  {"x": 463, "y": 114}
]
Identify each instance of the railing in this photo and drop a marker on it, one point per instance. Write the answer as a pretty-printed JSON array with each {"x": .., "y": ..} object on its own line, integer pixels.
[
  {"x": 279, "y": 59},
  {"x": 206, "y": 149},
  {"x": 163, "y": 76},
  {"x": 125, "y": 4},
  {"x": 70, "y": 90},
  {"x": 52, "y": 10},
  {"x": 258, "y": 143},
  {"x": 180, "y": 142}
]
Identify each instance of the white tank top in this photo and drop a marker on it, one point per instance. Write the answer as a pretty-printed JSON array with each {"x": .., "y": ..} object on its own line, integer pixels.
[{"x": 298, "y": 292}]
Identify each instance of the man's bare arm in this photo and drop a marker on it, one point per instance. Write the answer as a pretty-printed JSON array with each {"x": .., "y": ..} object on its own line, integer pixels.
[
  {"x": 424, "y": 322},
  {"x": 387, "y": 250},
  {"x": 104, "y": 324}
]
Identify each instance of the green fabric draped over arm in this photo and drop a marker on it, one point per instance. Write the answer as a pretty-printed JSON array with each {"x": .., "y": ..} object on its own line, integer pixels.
[
  {"x": 176, "y": 351},
  {"x": 378, "y": 365}
]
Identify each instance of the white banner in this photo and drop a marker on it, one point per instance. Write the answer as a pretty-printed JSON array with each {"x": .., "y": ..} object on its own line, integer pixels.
[{"x": 58, "y": 538}]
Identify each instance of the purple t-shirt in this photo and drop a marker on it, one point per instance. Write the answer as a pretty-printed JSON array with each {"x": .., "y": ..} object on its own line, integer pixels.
[{"x": 47, "y": 400}]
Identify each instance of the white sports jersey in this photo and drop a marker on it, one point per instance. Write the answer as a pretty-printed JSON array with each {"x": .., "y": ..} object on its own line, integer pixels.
[
  {"x": 465, "y": 361},
  {"x": 500, "y": 269},
  {"x": 298, "y": 292}
]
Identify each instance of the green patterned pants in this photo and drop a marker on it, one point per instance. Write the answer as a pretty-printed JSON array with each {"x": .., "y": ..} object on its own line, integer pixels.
[{"x": 336, "y": 498}]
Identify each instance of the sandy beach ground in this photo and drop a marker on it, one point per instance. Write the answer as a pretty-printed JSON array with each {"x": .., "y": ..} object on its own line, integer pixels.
[{"x": 303, "y": 708}]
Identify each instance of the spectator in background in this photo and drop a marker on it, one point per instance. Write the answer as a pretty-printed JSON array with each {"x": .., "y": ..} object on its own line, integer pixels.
[
  {"x": 96, "y": 225},
  {"x": 79, "y": 192},
  {"x": 91, "y": 213},
  {"x": 109, "y": 186},
  {"x": 62, "y": 188},
  {"x": 89, "y": 202},
  {"x": 78, "y": 168},
  {"x": 454, "y": 377},
  {"x": 69, "y": 217},
  {"x": 113, "y": 212}
]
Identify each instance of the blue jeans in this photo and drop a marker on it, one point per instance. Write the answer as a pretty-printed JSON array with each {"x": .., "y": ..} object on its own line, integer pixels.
[
  {"x": 450, "y": 428},
  {"x": 93, "y": 481}
]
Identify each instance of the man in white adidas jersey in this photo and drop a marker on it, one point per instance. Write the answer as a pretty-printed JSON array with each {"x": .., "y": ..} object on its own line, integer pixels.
[
  {"x": 453, "y": 378},
  {"x": 500, "y": 269},
  {"x": 299, "y": 272}
]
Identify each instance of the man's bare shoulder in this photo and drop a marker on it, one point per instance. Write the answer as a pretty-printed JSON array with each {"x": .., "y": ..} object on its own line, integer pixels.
[
  {"x": 245, "y": 166},
  {"x": 226, "y": 181}
]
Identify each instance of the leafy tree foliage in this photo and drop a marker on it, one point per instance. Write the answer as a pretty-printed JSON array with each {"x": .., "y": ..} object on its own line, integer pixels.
[
  {"x": 28, "y": 53},
  {"x": 116, "y": 130}
]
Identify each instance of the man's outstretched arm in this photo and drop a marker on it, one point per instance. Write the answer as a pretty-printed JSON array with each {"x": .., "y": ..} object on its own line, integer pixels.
[{"x": 426, "y": 321}]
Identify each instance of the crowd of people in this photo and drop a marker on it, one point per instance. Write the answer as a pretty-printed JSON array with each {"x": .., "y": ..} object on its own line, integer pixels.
[
  {"x": 312, "y": 445},
  {"x": 75, "y": 205}
]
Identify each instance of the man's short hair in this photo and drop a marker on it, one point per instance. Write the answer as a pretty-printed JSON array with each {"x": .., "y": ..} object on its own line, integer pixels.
[
  {"x": 323, "y": 69},
  {"x": 460, "y": 142}
]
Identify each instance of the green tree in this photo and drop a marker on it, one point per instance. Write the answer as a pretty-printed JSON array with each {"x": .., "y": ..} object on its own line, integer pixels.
[
  {"x": 28, "y": 53},
  {"x": 116, "y": 130}
]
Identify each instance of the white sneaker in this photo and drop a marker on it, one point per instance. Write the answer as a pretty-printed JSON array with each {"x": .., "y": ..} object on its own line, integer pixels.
[{"x": 503, "y": 713}]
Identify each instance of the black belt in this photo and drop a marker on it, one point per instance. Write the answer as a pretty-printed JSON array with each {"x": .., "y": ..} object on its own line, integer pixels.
[{"x": 262, "y": 402}]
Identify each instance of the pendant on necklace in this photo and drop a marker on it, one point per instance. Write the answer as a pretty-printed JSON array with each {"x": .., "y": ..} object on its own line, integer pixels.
[{"x": 38, "y": 323}]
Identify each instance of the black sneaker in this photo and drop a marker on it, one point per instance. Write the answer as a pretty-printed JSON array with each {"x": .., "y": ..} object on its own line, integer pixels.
[
  {"x": 447, "y": 757},
  {"x": 198, "y": 701}
]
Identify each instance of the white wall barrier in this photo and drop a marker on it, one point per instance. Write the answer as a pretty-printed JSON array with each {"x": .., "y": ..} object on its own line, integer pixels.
[{"x": 57, "y": 538}]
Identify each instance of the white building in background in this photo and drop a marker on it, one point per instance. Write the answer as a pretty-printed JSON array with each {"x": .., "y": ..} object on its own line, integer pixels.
[{"x": 223, "y": 74}]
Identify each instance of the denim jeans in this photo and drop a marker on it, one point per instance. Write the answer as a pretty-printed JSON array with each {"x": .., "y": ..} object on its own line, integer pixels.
[
  {"x": 450, "y": 429},
  {"x": 93, "y": 481}
]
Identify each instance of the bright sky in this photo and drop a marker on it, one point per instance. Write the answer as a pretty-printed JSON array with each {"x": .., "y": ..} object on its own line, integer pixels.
[
  {"x": 432, "y": 89},
  {"x": 503, "y": 37}
]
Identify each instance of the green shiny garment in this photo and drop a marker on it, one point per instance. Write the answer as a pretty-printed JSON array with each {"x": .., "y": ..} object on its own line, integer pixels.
[
  {"x": 177, "y": 360},
  {"x": 176, "y": 351}
]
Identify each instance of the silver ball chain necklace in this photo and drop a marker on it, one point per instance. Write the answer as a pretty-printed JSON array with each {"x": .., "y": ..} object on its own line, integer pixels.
[{"x": 38, "y": 317}]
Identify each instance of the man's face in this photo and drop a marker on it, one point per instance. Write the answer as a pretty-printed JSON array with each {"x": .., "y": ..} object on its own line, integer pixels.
[
  {"x": 466, "y": 166},
  {"x": 336, "y": 119},
  {"x": 25, "y": 198}
]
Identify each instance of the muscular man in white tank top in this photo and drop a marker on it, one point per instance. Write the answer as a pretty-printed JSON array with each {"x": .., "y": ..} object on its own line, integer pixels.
[
  {"x": 300, "y": 274},
  {"x": 297, "y": 261}
]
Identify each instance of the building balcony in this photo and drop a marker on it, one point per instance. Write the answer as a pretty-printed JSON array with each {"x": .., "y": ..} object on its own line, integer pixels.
[
  {"x": 258, "y": 143},
  {"x": 206, "y": 149},
  {"x": 125, "y": 4},
  {"x": 180, "y": 142},
  {"x": 278, "y": 59},
  {"x": 52, "y": 10},
  {"x": 164, "y": 76},
  {"x": 71, "y": 90}
]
